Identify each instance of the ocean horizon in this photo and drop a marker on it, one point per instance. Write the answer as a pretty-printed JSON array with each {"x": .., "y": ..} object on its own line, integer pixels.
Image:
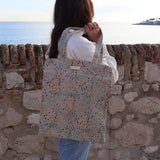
[{"x": 113, "y": 33}]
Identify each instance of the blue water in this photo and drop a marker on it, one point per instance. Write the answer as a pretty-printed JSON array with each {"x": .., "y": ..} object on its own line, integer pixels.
[{"x": 114, "y": 33}]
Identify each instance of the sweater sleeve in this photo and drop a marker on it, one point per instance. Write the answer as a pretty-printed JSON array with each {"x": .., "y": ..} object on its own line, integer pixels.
[{"x": 81, "y": 48}]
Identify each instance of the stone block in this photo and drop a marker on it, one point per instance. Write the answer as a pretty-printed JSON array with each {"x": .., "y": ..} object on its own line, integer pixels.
[
  {"x": 110, "y": 50},
  {"x": 134, "y": 63},
  {"x": 32, "y": 99},
  {"x": 148, "y": 49},
  {"x": 22, "y": 54},
  {"x": 3, "y": 145},
  {"x": 5, "y": 54},
  {"x": 10, "y": 118},
  {"x": 14, "y": 80},
  {"x": 156, "y": 49},
  {"x": 13, "y": 54},
  {"x": 146, "y": 105},
  {"x": 118, "y": 54},
  {"x": 141, "y": 57},
  {"x": 117, "y": 105},
  {"x": 29, "y": 144},
  {"x": 127, "y": 62},
  {"x": 129, "y": 97},
  {"x": 134, "y": 133},
  {"x": 152, "y": 72}
]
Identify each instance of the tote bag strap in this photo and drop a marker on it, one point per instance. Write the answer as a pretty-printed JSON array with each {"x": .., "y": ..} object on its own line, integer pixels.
[{"x": 71, "y": 31}]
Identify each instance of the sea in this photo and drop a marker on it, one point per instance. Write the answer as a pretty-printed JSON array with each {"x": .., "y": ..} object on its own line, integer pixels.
[{"x": 113, "y": 33}]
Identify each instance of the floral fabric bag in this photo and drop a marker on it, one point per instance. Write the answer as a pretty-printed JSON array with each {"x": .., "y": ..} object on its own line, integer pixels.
[{"x": 75, "y": 95}]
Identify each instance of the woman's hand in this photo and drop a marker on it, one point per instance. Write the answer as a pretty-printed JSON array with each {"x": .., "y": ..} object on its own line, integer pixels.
[{"x": 93, "y": 31}]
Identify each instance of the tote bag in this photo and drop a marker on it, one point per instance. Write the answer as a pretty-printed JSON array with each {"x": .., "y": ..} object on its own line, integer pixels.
[{"x": 75, "y": 95}]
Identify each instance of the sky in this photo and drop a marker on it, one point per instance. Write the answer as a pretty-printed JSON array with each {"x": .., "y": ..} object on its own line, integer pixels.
[{"x": 105, "y": 10}]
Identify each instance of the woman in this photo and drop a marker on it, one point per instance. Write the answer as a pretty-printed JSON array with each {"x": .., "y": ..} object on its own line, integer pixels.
[{"x": 77, "y": 13}]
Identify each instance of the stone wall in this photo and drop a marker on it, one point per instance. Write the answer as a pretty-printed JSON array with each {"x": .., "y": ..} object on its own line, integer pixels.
[{"x": 133, "y": 128}]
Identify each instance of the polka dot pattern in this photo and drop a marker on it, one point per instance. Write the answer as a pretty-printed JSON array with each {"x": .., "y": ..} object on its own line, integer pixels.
[{"x": 75, "y": 99}]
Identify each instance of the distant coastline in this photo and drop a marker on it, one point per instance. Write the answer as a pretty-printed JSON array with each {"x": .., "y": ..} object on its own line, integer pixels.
[{"x": 151, "y": 21}]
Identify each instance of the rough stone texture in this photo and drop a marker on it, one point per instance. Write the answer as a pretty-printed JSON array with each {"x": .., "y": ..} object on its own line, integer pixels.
[
  {"x": 129, "y": 117},
  {"x": 121, "y": 73},
  {"x": 156, "y": 86},
  {"x": 156, "y": 49},
  {"x": 144, "y": 158},
  {"x": 118, "y": 54},
  {"x": 146, "y": 105},
  {"x": 141, "y": 57},
  {"x": 116, "y": 89},
  {"x": 40, "y": 57},
  {"x": 32, "y": 62},
  {"x": 10, "y": 118},
  {"x": 14, "y": 80},
  {"x": 28, "y": 144},
  {"x": 117, "y": 105},
  {"x": 32, "y": 157},
  {"x": 134, "y": 63},
  {"x": 32, "y": 99},
  {"x": 153, "y": 121},
  {"x": 1, "y": 82},
  {"x": 13, "y": 54},
  {"x": 149, "y": 55},
  {"x": 110, "y": 50},
  {"x": 22, "y": 54},
  {"x": 1, "y": 111},
  {"x": 51, "y": 144},
  {"x": 48, "y": 157},
  {"x": 34, "y": 119},
  {"x": 128, "y": 86},
  {"x": 130, "y": 126},
  {"x": 152, "y": 72},
  {"x": 115, "y": 123},
  {"x": 151, "y": 149},
  {"x": 145, "y": 87},
  {"x": 138, "y": 134},
  {"x": 129, "y": 97},
  {"x": 127, "y": 62},
  {"x": 3, "y": 145},
  {"x": 5, "y": 54}
]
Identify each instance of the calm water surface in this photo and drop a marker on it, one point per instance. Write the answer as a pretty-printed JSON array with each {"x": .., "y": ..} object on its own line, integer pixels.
[{"x": 114, "y": 33}]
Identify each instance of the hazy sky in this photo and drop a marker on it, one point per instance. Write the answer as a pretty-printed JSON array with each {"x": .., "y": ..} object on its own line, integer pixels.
[{"x": 105, "y": 10}]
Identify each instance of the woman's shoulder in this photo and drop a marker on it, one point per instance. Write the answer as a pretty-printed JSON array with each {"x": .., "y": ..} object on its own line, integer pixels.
[{"x": 80, "y": 47}]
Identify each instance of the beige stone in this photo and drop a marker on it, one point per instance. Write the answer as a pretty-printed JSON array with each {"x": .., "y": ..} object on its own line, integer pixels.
[
  {"x": 52, "y": 144},
  {"x": 14, "y": 80},
  {"x": 151, "y": 149},
  {"x": 144, "y": 158},
  {"x": 48, "y": 157},
  {"x": 116, "y": 89},
  {"x": 33, "y": 119},
  {"x": 115, "y": 123},
  {"x": 32, "y": 99},
  {"x": 153, "y": 121},
  {"x": 158, "y": 117},
  {"x": 29, "y": 144},
  {"x": 32, "y": 157},
  {"x": 3, "y": 145},
  {"x": 146, "y": 105},
  {"x": 134, "y": 133},
  {"x": 117, "y": 105},
  {"x": 145, "y": 87},
  {"x": 152, "y": 72},
  {"x": 129, "y": 117},
  {"x": 121, "y": 72},
  {"x": 128, "y": 86},
  {"x": 10, "y": 118},
  {"x": 155, "y": 86},
  {"x": 129, "y": 97},
  {"x": 1, "y": 111}
]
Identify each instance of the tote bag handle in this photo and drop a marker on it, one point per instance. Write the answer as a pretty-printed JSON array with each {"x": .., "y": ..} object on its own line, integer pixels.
[{"x": 71, "y": 31}]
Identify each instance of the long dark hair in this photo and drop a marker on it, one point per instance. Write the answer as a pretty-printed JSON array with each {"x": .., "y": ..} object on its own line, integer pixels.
[{"x": 69, "y": 13}]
